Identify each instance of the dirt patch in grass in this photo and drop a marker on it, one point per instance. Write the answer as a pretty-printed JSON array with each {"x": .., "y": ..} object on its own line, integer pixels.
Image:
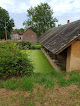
[
  {"x": 5, "y": 93},
  {"x": 63, "y": 96},
  {"x": 41, "y": 96}
]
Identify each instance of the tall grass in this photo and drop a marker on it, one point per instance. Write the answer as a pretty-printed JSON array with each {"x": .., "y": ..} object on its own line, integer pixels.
[
  {"x": 26, "y": 83},
  {"x": 46, "y": 79},
  {"x": 74, "y": 78},
  {"x": 10, "y": 84}
]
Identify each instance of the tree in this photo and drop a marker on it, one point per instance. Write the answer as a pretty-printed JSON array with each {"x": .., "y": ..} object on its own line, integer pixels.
[
  {"x": 59, "y": 25},
  {"x": 21, "y": 30},
  {"x": 40, "y": 18},
  {"x": 4, "y": 15}
]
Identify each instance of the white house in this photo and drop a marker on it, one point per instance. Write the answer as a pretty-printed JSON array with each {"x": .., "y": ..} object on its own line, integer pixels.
[{"x": 16, "y": 36}]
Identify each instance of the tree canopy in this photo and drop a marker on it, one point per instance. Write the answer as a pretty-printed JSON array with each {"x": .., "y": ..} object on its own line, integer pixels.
[
  {"x": 40, "y": 18},
  {"x": 21, "y": 30},
  {"x": 4, "y": 15}
]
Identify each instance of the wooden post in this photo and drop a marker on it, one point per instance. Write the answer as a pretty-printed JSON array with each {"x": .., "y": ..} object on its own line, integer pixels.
[
  {"x": 55, "y": 57},
  {"x": 5, "y": 30}
]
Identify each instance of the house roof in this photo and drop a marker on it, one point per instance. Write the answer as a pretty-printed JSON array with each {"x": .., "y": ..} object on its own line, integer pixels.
[
  {"x": 20, "y": 33},
  {"x": 29, "y": 29},
  {"x": 57, "y": 39},
  {"x": 14, "y": 32}
]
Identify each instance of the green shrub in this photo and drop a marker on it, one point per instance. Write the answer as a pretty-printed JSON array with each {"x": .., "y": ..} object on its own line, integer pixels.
[
  {"x": 10, "y": 84},
  {"x": 12, "y": 61},
  {"x": 23, "y": 44},
  {"x": 35, "y": 46},
  {"x": 26, "y": 83},
  {"x": 32, "y": 47}
]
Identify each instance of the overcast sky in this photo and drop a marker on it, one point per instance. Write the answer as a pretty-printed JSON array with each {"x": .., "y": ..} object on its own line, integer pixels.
[{"x": 63, "y": 9}]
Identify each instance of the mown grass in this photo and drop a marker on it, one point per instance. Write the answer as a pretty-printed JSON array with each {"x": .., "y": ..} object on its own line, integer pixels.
[{"x": 39, "y": 61}]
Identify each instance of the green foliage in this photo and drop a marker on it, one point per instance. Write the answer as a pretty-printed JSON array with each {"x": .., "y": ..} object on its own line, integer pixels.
[
  {"x": 4, "y": 15},
  {"x": 38, "y": 46},
  {"x": 21, "y": 30},
  {"x": 10, "y": 84},
  {"x": 32, "y": 47},
  {"x": 23, "y": 45},
  {"x": 40, "y": 18},
  {"x": 12, "y": 61},
  {"x": 26, "y": 83}
]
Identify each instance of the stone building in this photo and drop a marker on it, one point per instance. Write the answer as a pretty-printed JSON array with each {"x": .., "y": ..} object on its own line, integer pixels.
[
  {"x": 30, "y": 36},
  {"x": 63, "y": 43}
]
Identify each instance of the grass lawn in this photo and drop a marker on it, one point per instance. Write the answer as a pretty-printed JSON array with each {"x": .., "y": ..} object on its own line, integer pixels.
[{"x": 39, "y": 61}]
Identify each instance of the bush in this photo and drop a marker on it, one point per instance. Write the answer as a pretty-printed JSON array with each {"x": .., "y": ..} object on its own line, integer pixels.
[
  {"x": 23, "y": 45},
  {"x": 12, "y": 61},
  {"x": 32, "y": 47}
]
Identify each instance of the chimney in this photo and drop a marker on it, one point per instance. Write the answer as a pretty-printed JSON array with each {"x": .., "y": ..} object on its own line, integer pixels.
[{"x": 68, "y": 21}]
